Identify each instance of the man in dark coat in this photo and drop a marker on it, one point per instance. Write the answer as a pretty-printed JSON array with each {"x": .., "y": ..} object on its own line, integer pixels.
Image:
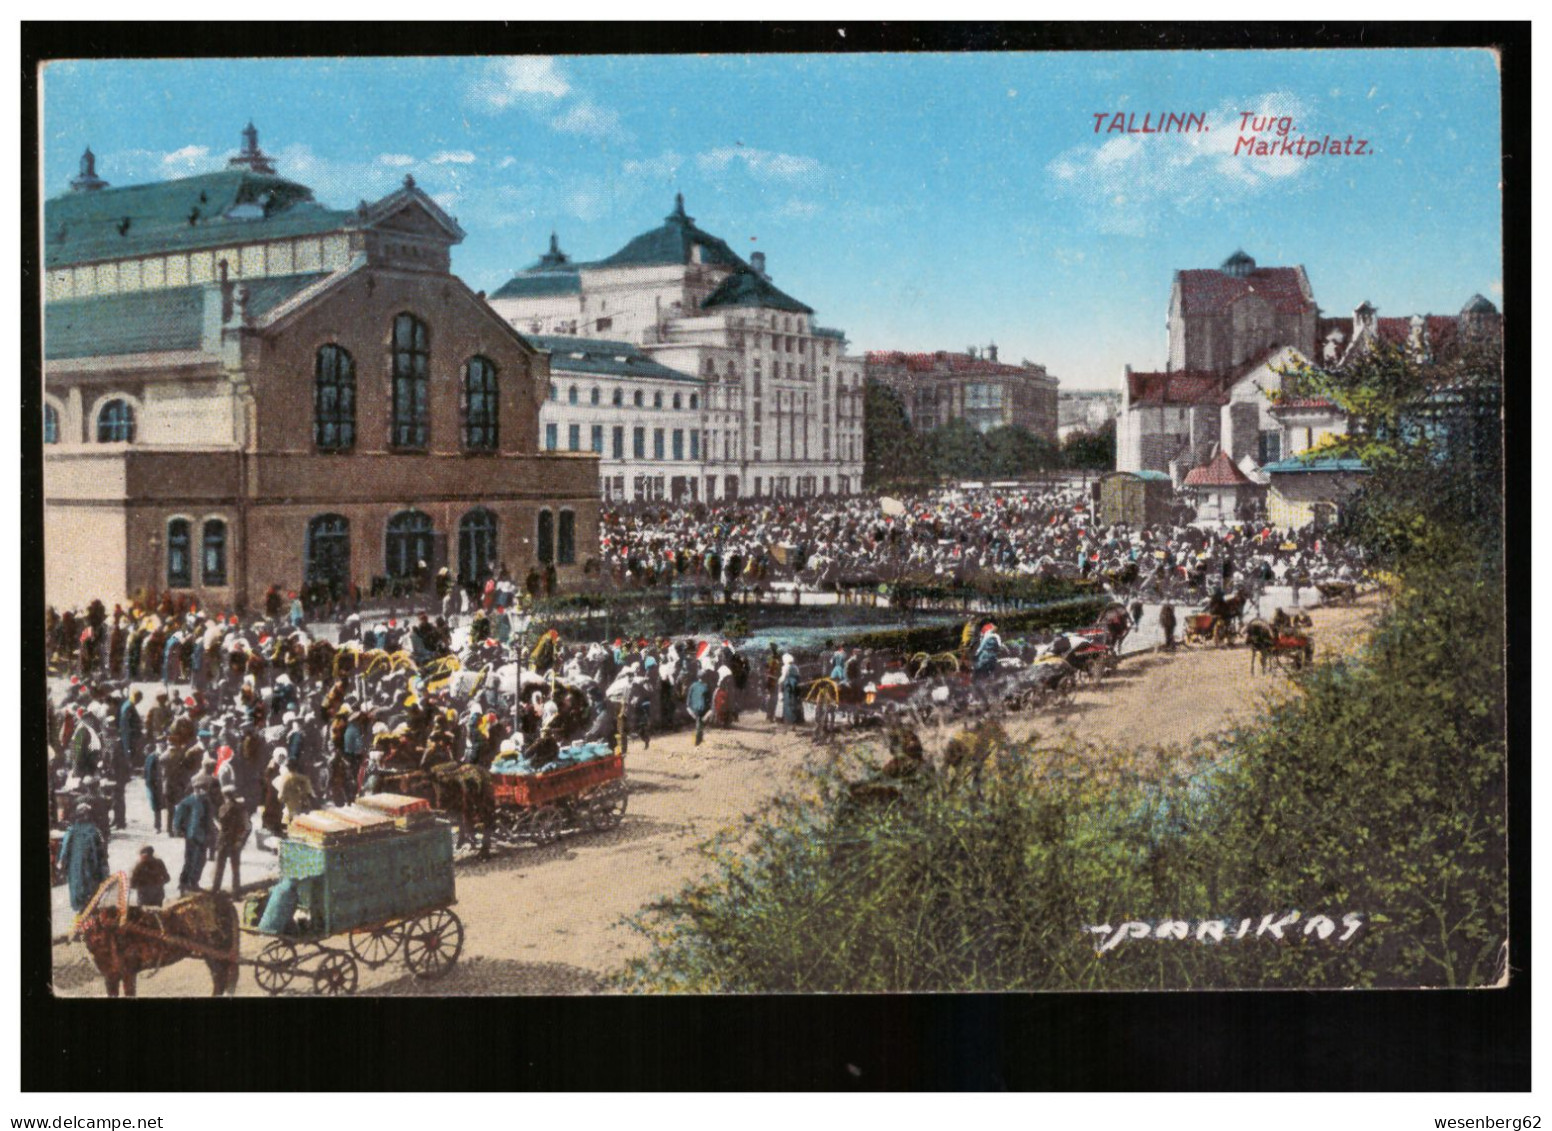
[
  {"x": 153, "y": 784},
  {"x": 192, "y": 820},
  {"x": 149, "y": 879},
  {"x": 84, "y": 858},
  {"x": 1167, "y": 625},
  {"x": 232, "y": 829}
]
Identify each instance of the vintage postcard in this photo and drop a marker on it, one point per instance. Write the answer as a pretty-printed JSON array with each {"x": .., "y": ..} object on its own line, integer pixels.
[{"x": 774, "y": 523}]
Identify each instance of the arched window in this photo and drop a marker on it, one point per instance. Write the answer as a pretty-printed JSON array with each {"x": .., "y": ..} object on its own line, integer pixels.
[
  {"x": 678, "y": 403},
  {"x": 566, "y": 541},
  {"x": 212, "y": 569},
  {"x": 639, "y": 399},
  {"x": 657, "y": 399},
  {"x": 116, "y": 423},
  {"x": 180, "y": 569},
  {"x": 594, "y": 395},
  {"x": 571, "y": 395},
  {"x": 50, "y": 424},
  {"x": 334, "y": 399},
  {"x": 554, "y": 392},
  {"x": 481, "y": 405},
  {"x": 546, "y": 538},
  {"x": 695, "y": 401},
  {"x": 619, "y": 398},
  {"x": 328, "y": 552},
  {"x": 476, "y": 545},
  {"x": 411, "y": 371},
  {"x": 409, "y": 543}
]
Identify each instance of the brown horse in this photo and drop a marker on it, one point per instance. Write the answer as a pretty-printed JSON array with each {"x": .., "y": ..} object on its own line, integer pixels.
[{"x": 125, "y": 940}]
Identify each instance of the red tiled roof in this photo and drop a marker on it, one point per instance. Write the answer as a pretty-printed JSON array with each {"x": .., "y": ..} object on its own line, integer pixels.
[
  {"x": 1206, "y": 291},
  {"x": 1221, "y": 472},
  {"x": 944, "y": 362},
  {"x": 1181, "y": 386}
]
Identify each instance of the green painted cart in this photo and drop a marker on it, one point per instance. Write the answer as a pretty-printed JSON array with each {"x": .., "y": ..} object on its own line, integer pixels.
[{"x": 365, "y": 900}]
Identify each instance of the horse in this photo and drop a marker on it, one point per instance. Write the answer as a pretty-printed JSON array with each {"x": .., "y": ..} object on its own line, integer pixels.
[
  {"x": 125, "y": 940},
  {"x": 465, "y": 792},
  {"x": 1117, "y": 622}
]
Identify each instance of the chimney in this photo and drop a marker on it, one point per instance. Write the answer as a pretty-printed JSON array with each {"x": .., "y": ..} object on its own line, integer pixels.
[
  {"x": 972, "y": 352},
  {"x": 757, "y": 262},
  {"x": 991, "y": 352}
]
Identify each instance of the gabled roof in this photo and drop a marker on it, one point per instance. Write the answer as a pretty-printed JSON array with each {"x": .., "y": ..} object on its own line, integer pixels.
[
  {"x": 744, "y": 287},
  {"x": 1206, "y": 291},
  {"x": 673, "y": 244},
  {"x": 150, "y": 321},
  {"x": 604, "y": 358},
  {"x": 1221, "y": 472},
  {"x": 232, "y": 206},
  {"x": 1179, "y": 387}
]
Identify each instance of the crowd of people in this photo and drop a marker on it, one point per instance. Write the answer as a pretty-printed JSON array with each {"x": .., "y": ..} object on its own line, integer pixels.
[
  {"x": 253, "y": 721},
  {"x": 955, "y": 535}
]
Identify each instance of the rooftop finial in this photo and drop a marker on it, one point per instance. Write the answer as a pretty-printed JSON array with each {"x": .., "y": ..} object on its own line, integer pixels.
[
  {"x": 554, "y": 243},
  {"x": 409, "y": 180},
  {"x": 251, "y": 156},
  {"x": 678, "y": 212},
  {"x": 88, "y": 180}
]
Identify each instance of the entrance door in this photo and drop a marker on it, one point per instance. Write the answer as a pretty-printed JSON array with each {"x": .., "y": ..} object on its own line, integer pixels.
[{"x": 328, "y": 552}]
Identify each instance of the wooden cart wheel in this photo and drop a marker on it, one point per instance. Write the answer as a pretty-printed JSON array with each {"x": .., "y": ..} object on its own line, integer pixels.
[
  {"x": 546, "y": 825},
  {"x": 335, "y": 975},
  {"x": 608, "y": 807},
  {"x": 275, "y": 966},
  {"x": 433, "y": 943},
  {"x": 378, "y": 946}
]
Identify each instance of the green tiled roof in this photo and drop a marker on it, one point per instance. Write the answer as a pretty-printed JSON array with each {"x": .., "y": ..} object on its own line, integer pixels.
[
  {"x": 214, "y": 209},
  {"x": 602, "y": 358},
  {"x": 540, "y": 284},
  {"x": 827, "y": 332},
  {"x": 745, "y": 288},
  {"x": 149, "y": 321},
  {"x": 672, "y": 244},
  {"x": 1318, "y": 463}
]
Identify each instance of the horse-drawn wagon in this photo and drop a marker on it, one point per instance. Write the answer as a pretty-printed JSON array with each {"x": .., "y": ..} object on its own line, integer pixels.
[
  {"x": 566, "y": 796},
  {"x": 385, "y": 886}
]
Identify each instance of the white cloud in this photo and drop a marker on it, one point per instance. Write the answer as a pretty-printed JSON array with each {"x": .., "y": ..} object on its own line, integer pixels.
[
  {"x": 506, "y": 162},
  {"x": 587, "y": 202},
  {"x": 525, "y": 79},
  {"x": 1130, "y": 182},
  {"x": 447, "y": 201},
  {"x": 663, "y": 165},
  {"x": 453, "y": 157},
  {"x": 589, "y": 120},
  {"x": 396, "y": 160},
  {"x": 760, "y": 163},
  {"x": 798, "y": 209},
  {"x": 187, "y": 159}
]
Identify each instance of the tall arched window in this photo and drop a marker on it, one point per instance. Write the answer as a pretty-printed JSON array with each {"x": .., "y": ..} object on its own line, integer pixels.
[
  {"x": 546, "y": 538},
  {"x": 481, "y": 406},
  {"x": 212, "y": 567},
  {"x": 116, "y": 423},
  {"x": 639, "y": 399},
  {"x": 180, "y": 569},
  {"x": 571, "y": 395},
  {"x": 334, "y": 399},
  {"x": 328, "y": 551},
  {"x": 678, "y": 402},
  {"x": 566, "y": 541},
  {"x": 50, "y": 424},
  {"x": 411, "y": 371},
  {"x": 476, "y": 545},
  {"x": 695, "y": 401},
  {"x": 409, "y": 542},
  {"x": 619, "y": 397},
  {"x": 593, "y": 397},
  {"x": 657, "y": 399}
]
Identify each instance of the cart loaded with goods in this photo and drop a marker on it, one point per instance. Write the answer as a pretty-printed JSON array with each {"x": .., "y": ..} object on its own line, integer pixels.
[
  {"x": 362, "y": 883},
  {"x": 582, "y": 789}
]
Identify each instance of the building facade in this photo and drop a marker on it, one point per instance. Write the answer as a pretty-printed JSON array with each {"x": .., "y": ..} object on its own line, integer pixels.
[
  {"x": 243, "y": 388},
  {"x": 1234, "y": 334},
  {"x": 780, "y": 401},
  {"x": 987, "y": 393}
]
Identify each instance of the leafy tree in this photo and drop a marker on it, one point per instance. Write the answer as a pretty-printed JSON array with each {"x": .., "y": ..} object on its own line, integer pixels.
[
  {"x": 1093, "y": 450},
  {"x": 892, "y": 452}
]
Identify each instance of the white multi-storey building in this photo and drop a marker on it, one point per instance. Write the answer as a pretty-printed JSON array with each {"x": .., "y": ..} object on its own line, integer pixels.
[{"x": 780, "y": 403}]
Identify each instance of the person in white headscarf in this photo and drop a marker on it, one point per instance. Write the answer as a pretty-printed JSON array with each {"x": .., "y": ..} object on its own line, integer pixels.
[{"x": 791, "y": 700}]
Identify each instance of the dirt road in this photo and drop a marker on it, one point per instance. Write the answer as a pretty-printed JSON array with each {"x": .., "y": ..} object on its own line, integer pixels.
[{"x": 549, "y": 920}]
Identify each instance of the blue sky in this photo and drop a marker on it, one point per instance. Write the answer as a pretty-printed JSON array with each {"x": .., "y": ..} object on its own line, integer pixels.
[{"x": 919, "y": 202}]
